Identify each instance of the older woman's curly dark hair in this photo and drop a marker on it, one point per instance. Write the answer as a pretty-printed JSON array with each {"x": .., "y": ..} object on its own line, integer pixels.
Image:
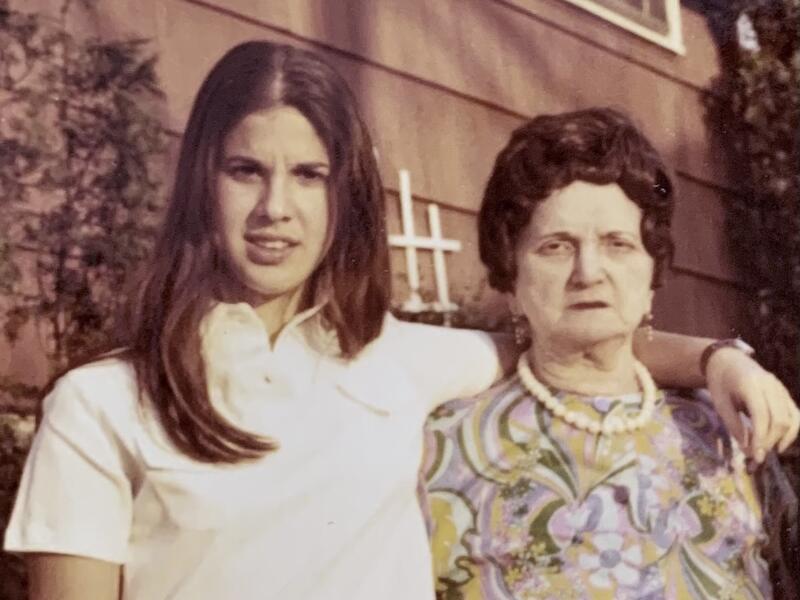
[{"x": 597, "y": 145}]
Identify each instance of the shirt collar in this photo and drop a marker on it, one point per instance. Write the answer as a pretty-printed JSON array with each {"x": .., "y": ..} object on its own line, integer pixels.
[
  {"x": 240, "y": 321},
  {"x": 238, "y": 359}
]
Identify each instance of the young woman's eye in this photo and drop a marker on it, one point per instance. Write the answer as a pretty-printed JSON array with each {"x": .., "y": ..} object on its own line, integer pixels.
[
  {"x": 311, "y": 175},
  {"x": 243, "y": 171}
]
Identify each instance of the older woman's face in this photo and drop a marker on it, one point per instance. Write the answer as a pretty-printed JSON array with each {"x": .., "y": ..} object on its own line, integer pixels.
[{"x": 583, "y": 274}]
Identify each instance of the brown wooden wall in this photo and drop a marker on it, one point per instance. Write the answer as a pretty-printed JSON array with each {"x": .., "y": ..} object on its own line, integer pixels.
[{"x": 442, "y": 84}]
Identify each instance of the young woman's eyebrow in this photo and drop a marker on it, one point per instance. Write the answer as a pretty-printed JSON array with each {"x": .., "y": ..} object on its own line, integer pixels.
[
  {"x": 313, "y": 165},
  {"x": 236, "y": 157}
]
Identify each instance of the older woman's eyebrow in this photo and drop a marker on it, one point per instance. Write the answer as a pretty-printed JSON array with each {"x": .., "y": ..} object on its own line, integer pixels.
[
  {"x": 563, "y": 235},
  {"x": 617, "y": 233},
  {"x": 567, "y": 236}
]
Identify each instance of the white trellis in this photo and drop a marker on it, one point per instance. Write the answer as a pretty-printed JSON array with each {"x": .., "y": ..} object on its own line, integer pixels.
[{"x": 436, "y": 243}]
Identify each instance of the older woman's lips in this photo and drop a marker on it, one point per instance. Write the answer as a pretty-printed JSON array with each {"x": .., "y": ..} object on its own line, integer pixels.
[{"x": 588, "y": 305}]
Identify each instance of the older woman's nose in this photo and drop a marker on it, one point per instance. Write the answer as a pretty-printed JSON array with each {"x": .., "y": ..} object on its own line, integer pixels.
[{"x": 588, "y": 268}]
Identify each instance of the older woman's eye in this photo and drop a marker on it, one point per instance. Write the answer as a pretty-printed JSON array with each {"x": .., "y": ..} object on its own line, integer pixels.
[
  {"x": 556, "y": 248},
  {"x": 621, "y": 245}
]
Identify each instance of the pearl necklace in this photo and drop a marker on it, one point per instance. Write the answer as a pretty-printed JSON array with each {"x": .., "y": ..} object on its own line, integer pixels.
[{"x": 609, "y": 426}]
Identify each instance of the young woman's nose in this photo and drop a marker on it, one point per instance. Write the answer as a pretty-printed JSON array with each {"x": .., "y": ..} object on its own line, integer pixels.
[{"x": 274, "y": 200}]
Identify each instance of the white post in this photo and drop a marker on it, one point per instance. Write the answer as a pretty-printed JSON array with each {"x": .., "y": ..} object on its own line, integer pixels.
[
  {"x": 439, "y": 267},
  {"x": 436, "y": 243},
  {"x": 414, "y": 302}
]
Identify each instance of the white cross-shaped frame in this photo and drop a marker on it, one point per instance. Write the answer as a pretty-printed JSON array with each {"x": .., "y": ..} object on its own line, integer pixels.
[{"x": 435, "y": 243}]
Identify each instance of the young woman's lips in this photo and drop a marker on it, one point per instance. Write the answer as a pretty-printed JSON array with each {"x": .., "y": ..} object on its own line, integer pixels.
[{"x": 268, "y": 250}]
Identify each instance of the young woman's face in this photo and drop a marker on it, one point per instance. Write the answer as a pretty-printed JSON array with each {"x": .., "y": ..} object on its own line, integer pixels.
[
  {"x": 584, "y": 274},
  {"x": 272, "y": 194}
]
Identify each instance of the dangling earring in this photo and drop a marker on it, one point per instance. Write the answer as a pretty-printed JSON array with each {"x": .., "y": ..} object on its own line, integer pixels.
[
  {"x": 647, "y": 323},
  {"x": 521, "y": 330}
]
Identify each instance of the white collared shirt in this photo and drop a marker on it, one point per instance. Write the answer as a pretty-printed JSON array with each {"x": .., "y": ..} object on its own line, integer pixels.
[{"x": 332, "y": 514}]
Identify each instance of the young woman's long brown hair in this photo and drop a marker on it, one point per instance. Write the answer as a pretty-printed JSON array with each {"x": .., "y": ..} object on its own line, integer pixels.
[{"x": 188, "y": 272}]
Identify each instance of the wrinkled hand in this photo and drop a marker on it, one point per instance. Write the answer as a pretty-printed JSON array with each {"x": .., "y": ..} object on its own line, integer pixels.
[{"x": 738, "y": 384}]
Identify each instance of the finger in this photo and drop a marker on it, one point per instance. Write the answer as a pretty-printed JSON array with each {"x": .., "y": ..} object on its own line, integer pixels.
[
  {"x": 735, "y": 424},
  {"x": 776, "y": 400},
  {"x": 757, "y": 408},
  {"x": 747, "y": 431},
  {"x": 792, "y": 432},
  {"x": 790, "y": 418},
  {"x": 781, "y": 410}
]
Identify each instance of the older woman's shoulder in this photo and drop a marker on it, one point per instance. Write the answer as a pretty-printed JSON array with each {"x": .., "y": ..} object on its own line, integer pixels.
[
  {"x": 496, "y": 398},
  {"x": 697, "y": 398},
  {"x": 698, "y": 423}
]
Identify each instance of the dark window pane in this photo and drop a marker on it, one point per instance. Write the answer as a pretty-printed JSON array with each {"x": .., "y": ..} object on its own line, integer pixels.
[
  {"x": 649, "y": 13},
  {"x": 658, "y": 9}
]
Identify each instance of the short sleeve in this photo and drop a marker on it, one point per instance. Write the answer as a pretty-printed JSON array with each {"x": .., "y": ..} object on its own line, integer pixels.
[
  {"x": 450, "y": 363},
  {"x": 74, "y": 497}
]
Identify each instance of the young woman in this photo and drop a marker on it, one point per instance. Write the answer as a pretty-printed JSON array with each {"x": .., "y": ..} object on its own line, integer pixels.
[{"x": 259, "y": 434}]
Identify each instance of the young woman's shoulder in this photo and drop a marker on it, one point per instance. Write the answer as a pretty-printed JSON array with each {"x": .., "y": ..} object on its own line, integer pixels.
[
  {"x": 420, "y": 337},
  {"x": 108, "y": 369},
  {"x": 81, "y": 467},
  {"x": 104, "y": 390},
  {"x": 449, "y": 362}
]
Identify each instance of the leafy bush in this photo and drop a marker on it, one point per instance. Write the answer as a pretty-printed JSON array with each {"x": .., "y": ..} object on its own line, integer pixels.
[
  {"x": 756, "y": 102},
  {"x": 15, "y": 437},
  {"x": 79, "y": 185},
  {"x": 80, "y": 157}
]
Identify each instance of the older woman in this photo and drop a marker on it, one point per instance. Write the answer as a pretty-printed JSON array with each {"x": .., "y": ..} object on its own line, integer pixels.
[{"x": 578, "y": 478}]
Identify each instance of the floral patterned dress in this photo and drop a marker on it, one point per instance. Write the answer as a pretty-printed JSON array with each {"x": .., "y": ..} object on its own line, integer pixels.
[{"x": 522, "y": 505}]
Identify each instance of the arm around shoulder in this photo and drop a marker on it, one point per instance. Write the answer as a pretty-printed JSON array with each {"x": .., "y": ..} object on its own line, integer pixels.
[
  {"x": 448, "y": 363},
  {"x": 673, "y": 359},
  {"x": 737, "y": 384}
]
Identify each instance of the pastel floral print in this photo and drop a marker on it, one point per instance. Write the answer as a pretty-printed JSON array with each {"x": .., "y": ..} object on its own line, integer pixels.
[
  {"x": 608, "y": 562},
  {"x": 521, "y": 505}
]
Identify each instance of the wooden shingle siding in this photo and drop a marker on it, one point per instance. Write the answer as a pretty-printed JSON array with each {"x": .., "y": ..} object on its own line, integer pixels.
[
  {"x": 525, "y": 57},
  {"x": 443, "y": 83}
]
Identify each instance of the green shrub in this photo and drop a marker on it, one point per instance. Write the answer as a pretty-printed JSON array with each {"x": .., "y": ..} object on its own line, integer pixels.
[
  {"x": 15, "y": 438},
  {"x": 755, "y": 104}
]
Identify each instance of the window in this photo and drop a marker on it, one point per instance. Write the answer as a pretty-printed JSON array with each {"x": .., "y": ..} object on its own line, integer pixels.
[{"x": 658, "y": 21}]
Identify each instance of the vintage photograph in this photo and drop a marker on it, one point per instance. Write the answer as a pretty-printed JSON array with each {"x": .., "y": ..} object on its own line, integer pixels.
[{"x": 399, "y": 299}]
